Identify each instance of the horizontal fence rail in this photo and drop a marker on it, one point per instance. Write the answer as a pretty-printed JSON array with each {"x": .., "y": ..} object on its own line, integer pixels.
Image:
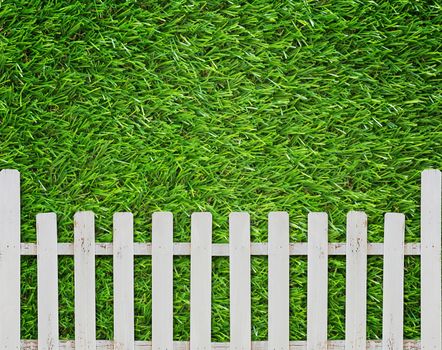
[
  {"x": 220, "y": 249},
  {"x": 255, "y": 345},
  {"x": 239, "y": 250}
]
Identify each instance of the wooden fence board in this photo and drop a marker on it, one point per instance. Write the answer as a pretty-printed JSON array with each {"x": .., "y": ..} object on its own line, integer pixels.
[
  {"x": 9, "y": 259},
  {"x": 393, "y": 284},
  {"x": 162, "y": 281},
  {"x": 240, "y": 302},
  {"x": 84, "y": 279},
  {"x": 201, "y": 281},
  {"x": 222, "y": 249},
  {"x": 317, "y": 281},
  {"x": 123, "y": 281},
  {"x": 47, "y": 281},
  {"x": 431, "y": 314},
  {"x": 256, "y": 345},
  {"x": 279, "y": 277},
  {"x": 356, "y": 281}
]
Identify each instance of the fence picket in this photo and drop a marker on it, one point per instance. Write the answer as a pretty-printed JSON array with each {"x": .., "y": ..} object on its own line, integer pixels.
[
  {"x": 84, "y": 277},
  {"x": 240, "y": 289},
  {"x": 393, "y": 284},
  {"x": 201, "y": 281},
  {"x": 162, "y": 281},
  {"x": 47, "y": 281},
  {"x": 431, "y": 314},
  {"x": 9, "y": 259},
  {"x": 317, "y": 281},
  {"x": 123, "y": 281},
  {"x": 356, "y": 281},
  {"x": 279, "y": 277}
]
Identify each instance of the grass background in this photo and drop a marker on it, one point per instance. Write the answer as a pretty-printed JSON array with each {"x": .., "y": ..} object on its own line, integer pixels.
[{"x": 221, "y": 106}]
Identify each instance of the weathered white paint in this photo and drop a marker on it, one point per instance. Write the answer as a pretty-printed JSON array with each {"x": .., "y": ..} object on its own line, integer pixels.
[
  {"x": 356, "y": 281},
  {"x": 393, "y": 285},
  {"x": 9, "y": 259},
  {"x": 240, "y": 302},
  {"x": 222, "y": 249},
  {"x": 279, "y": 277},
  {"x": 431, "y": 314},
  {"x": 47, "y": 281},
  {"x": 317, "y": 281},
  {"x": 201, "y": 281},
  {"x": 256, "y": 345},
  {"x": 123, "y": 281},
  {"x": 84, "y": 277},
  {"x": 162, "y": 281}
]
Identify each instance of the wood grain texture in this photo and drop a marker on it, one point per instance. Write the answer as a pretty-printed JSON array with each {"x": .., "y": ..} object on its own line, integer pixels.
[
  {"x": 393, "y": 285},
  {"x": 9, "y": 259},
  {"x": 240, "y": 289},
  {"x": 201, "y": 281},
  {"x": 162, "y": 281},
  {"x": 356, "y": 282},
  {"x": 431, "y": 314},
  {"x": 317, "y": 281},
  {"x": 84, "y": 277},
  {"x": 279, "y": 277},
  {"x": 255, "y": 345},
  {"x": 222, "y": 249},
  {"x": 123, "y": 262},
  {"x": 47, "y": 281}
]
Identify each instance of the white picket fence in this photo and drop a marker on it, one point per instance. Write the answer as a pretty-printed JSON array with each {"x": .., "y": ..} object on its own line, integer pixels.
[{"x": 239, "y": 249}]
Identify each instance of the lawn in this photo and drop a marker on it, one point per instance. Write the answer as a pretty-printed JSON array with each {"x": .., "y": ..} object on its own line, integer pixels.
[{"x": 251, "y": 106}]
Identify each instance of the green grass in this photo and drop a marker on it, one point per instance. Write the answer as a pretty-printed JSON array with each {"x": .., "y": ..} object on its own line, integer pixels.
[{"x": 221, "y": 106}]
